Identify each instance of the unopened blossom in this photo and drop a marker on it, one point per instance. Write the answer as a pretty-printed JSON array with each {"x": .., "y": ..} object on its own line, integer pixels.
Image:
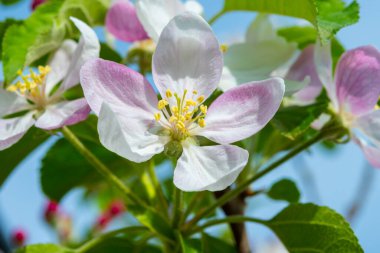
[
  {"x": 258, "y": 57},
  {"x": 187, "y": 66},
  {"x": 38, "y": 99},
  {"x": 354, "y": 93},
  {"x": 19, "y": 237},
  {"x": 36, "y": 3}
]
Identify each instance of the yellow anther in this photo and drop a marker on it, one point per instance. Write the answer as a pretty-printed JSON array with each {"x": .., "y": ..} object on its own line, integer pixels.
[
  {"x": 190, "y": 102},
  {"x": 188, "y": 116},
  {"x": 19, "y": 72},
  {"x": 12, "y": 88},
  {"x": 203, "y": 109},
  {"x": 377, "y": 107},
  {"x": 181, "y": 125},
  {"x": 186, "y": 109},
  {"x": 200, "y": 99},
  {"x": 169, "y": 93},
  {"x": 224, "y": 48},
  {"x": 44, "y": 70},
  {"x": 201, "y": 122},
  {"x": 195, "y": 92},
  {"x": 162, "y": 103},
  {"x": 173, "y": 119},
  {"x": 175, "y": 109},
  {"x": 157, "y": 116},
  {"x": 181, "y": 118}
]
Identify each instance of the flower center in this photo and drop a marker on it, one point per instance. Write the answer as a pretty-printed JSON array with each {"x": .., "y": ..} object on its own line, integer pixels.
[
  {"x": 31, "y": 86},
  {"x": 185, "y": 115}
]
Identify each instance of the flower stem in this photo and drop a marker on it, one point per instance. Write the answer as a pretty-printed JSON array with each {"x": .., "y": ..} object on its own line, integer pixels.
[
  {"x": 230, "y": 219},
  {"x": 241, "y": 187},
  {"x": 97, "y": 240},
  {"x": 177, "y": 203},
  {"x": 157, "y": 187},
  {"x": 100, "y": 167}
]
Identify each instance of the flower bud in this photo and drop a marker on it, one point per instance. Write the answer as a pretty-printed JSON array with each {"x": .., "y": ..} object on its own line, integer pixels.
[
  {"x": 116, "y": 208},
  {"x": 19, "y": 237},
  {"x": 51, "y": 211},
  {"x": 35, "y": 3}
]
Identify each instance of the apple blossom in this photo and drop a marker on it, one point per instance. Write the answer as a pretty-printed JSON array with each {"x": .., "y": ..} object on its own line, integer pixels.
[
  {"x": 262, "y": 53},
  {"x": 187, "y": 67},
  {"x": 36, "y": 94},
  {"x": 354, "y": 94}
]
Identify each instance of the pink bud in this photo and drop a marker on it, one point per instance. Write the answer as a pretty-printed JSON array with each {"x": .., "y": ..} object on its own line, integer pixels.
[
  {"x": 102, "y": 221},
  {"x": 116, "y": 208},
  {"x": 35, "y": 3},
  {"x": 19, "y": 237},
  {"x": 51, "y": 211}
]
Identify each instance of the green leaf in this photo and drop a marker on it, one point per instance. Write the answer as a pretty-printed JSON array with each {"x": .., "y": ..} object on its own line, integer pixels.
[
  {"x": 3, "y": 27},
  {"x": 284, "y": 189},
  {"x": 64, "y": 169},
  {"x": 43, "y": 248},
  {"x": 211, "y": 244},
  {"x": 293, "y": 121},
  {"x": 302, "y": 35},
  {"x": 25, "y": 43},
  {"x": 122, "y": 245},
  {"x": 12, "y": 156},
  {"x": 9, "y": 2},
  {"x": 189, "y": 245},
  {"x": 44, "y": 31},
  {"x": 327, "y": 16},
  {"x": 311, "y": 228},
  {"x": 107, "y": 53}
]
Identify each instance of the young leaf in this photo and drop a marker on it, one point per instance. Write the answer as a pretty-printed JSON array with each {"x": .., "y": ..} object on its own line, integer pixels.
[
  {"x": 3, "y": 27},
  {"x": 327, "y": 16},
  {"x": 211, "y": 244},
  {"x": 292, "y": 121},
  {"x": 311, "y": 228},
  {"x": 284, "y": 189},
  {"x": 44, "y": 248},
  {"x": 122, "y": 245},
  {"x": 25, "y": 43},
  {"x": 14, "y": 155}
]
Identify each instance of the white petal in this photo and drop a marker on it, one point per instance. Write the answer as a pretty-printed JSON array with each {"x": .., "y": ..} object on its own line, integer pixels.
[
  {"x": 369, "y": 124},
  {"x": 242, "y": 111},
  {"x": 154, "y": 15},
  {"x": 246, "y": 62},
  {"x": 60, "y": 64},
  {"x": 63, "y": 114},
  {"x": 12, "y": 130},
  {"x": 10, "y": 103},
  {"x": 261, "y": 30},
  {"x": 194, "y": 6},
  {"x": 88, "y": 48},
  {"x": 127, "y": 132},
  {"x": 211, "y": 168},
  {"x": 187, "y": 57}
]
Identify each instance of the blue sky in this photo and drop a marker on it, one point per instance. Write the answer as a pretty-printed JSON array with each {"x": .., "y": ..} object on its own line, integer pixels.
[{"x": 336, "y": 174}]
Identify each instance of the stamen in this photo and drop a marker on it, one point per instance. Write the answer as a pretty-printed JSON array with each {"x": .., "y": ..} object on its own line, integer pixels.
[
  {"x": 223, "y": 48},
  {"x": 200, "y": 99},
  {"x": 162, "y": 103},
  {"x": 157, "y": 116},
  {"x": 201, "y": 123},
  {"x": 169, "y": 93}
]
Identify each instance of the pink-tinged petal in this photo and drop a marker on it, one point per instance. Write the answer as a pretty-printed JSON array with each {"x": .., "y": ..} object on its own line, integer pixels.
[
  {"x": 60, "y": 64},
  {"x": 123, "y": 23},
  {"x": 63, "y": 114},
  {"x": 187, "y": 57},
  {"x": 323, "y": 62},
  {"x": 11, "y": 103},
  {"x": 372, "y": 153},
  {"x": 369, "y": 124},
  {"x": 242, "y": 111},
  {"x": 88, "y": 48},
  {"x": 12, "y": 130},
  {"x": 211, "y": 168},
  {"x": 358, "y": 80},
  {"x": 304, "y": 67},
  {"x": 127, "y": 131},
  {"x": 116, "y": 84},
  {"x": 156, "y": 14}
]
